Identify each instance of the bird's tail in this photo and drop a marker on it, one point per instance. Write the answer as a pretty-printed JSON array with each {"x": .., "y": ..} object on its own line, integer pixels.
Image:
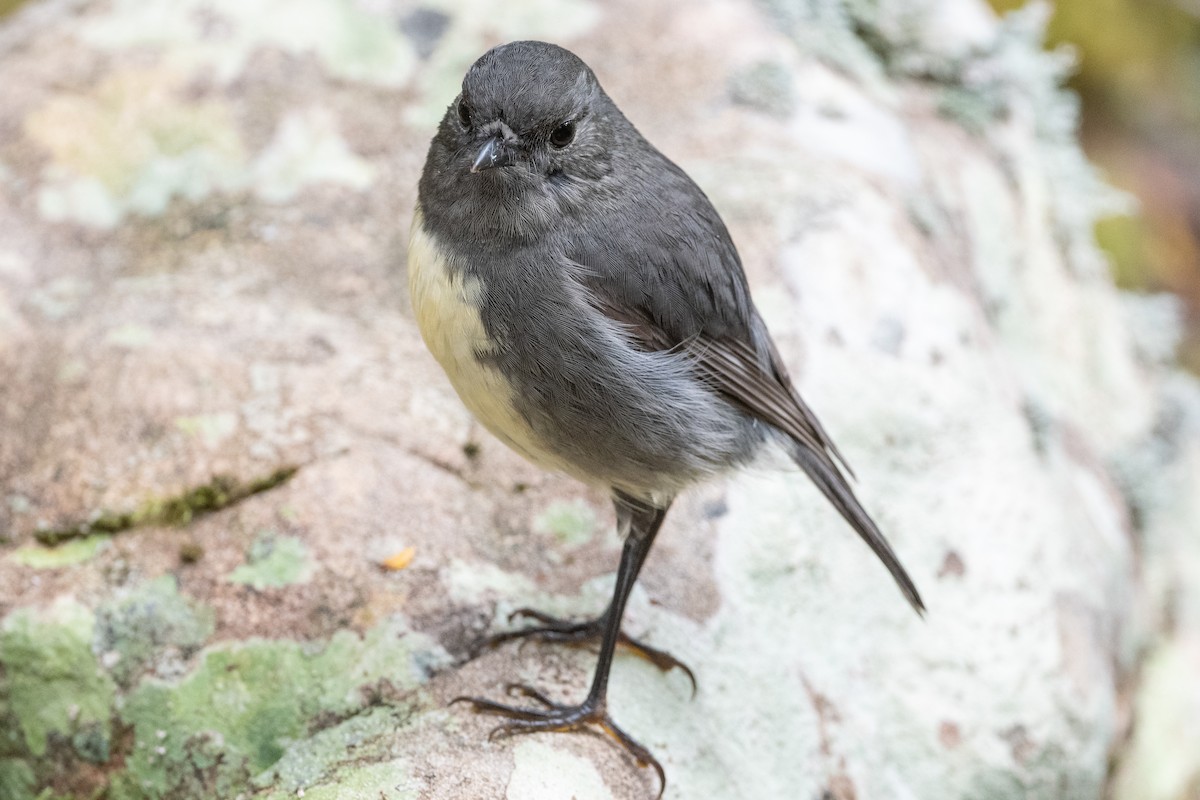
[{"x": 831, "y": 482}]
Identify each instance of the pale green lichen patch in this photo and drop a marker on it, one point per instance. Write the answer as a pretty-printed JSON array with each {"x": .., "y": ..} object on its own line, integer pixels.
[
  {"x": 331, "y": 763},
  {"x": 76, "y": 552},
  {"x": 307, "y": 149},
  {"x": 131, "y": 145},
  {"x": 247, "y": 706},
  {"x": 60, "y": 297},
  {"x": 53, "y": 682},
  {"x": 274, "y": 561},
  {"x": 352, "y": 42},
  {"x": 388, "y": 779},
  {"x": 1163, "y": 760},
  {"x": 130, "y": 335},
  {"x": 212, "y": 429},
  {"x": 136, "y": 142},
  {"x": 16, "y": 780},
  {"x": 766, "y": 86},
  {"x": 572, "y": 523},
  {"x": 308, "y": 763},
  {"x": 151, "y": 622},
  {"x": 471, "y": 582}
]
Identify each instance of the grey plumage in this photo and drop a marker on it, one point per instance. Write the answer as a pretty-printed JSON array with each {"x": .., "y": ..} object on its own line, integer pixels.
[
  {"x": 612, "y": 292},
  {"x": 612, "y": 301}
]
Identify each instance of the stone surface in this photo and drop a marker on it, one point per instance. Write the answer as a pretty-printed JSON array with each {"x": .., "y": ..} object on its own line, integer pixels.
[{"x": 213, "y": 391}]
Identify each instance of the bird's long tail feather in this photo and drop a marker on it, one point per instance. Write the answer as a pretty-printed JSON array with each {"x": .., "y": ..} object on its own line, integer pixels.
[{"x": 834, "y": 486}]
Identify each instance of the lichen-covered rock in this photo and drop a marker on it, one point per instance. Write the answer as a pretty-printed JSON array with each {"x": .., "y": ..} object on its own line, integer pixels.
[
  {"x": 249, "y": 537},
  {"x": 54, "y": 688}
]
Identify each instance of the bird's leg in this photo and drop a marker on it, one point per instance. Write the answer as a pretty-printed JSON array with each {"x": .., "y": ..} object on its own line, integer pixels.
[
  {"x": 642, "y": 523},
  {"x": 555, "y": 629}
]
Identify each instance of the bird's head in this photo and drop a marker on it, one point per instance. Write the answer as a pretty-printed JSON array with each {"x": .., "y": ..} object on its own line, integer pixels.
[{"x": 531, "y": 130}]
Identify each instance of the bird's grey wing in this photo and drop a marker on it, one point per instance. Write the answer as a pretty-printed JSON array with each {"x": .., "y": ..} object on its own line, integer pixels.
[
  {"x": 669, "y": 272},
  {"x": 734, "y": 368},
  {"x": 680, "y": 285}
]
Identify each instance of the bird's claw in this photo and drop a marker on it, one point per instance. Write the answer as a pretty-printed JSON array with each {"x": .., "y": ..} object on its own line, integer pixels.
[{"x": 559, "y": 717}]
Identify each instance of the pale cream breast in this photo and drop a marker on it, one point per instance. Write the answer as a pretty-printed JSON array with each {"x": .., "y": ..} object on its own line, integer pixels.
[{"x": 447, "y": 307}]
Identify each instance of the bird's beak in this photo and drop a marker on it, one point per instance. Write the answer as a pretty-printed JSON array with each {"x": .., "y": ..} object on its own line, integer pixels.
[{"x": 494, "y": 153}]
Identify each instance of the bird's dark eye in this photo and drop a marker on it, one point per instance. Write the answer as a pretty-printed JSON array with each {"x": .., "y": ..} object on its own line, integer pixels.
[
  {"x": 563, "y": 135},
  {"x": 464, "y": 113}
]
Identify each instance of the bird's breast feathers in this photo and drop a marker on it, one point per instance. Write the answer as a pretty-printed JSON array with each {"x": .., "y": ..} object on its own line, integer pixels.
[{"x": 447, "y": 305}]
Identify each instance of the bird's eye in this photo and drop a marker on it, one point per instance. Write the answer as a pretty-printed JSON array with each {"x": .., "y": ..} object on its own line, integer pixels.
[
  {"x": 563, "y": 135},
  {"x": 464, "y": 113}
]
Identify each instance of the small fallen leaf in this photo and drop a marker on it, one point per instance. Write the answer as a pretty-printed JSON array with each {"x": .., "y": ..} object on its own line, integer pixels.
[{"x": 400, "y": 560}]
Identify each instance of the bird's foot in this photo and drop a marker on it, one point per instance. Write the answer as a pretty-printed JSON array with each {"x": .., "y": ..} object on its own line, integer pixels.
[
  {"x": 552, "y": 716},
  {"x": 553, "y": 629}
]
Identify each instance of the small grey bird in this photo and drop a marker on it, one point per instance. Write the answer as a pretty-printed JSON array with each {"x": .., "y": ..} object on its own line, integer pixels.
[{"x": 590, "y": 309}]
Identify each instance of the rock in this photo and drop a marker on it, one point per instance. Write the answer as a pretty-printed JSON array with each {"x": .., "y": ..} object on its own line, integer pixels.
[{"x": 216, "y": 402}]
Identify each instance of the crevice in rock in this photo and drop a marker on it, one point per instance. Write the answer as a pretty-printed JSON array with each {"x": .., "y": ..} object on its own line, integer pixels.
[{"x": 221, "y": 492}]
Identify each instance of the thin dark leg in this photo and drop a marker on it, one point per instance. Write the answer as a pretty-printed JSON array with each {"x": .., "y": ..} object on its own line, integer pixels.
[
  {"x": 554, "y": 629},
  {"x": 641, "y": 523}
]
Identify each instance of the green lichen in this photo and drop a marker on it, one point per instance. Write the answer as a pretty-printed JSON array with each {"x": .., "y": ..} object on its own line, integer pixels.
[
  {"x": 138, "y": 141},
  {"x": 571, "y": 523},
  {"x": 277, "y": 715},
  {"x": 59, "y": 299},
  {"x": 52, "y": 679},
  {"x": 972, "y": 109},
  {"x": 16, "y": 780},
  {"x": 220, "y": 492},
  {"x": 1162, "y": 761},
  {"x": 76, "y": 552},
  {"x": 307, "y": 149},
  {"x": 131, "y": 335},
  {"x": 387, "y": 779},
  {"x": 152, "y": 619},
  {"x": 350, "y": 41},
  {"x": 274, "y": 561},
  {"x": 828, "y": 29},
  {"x": 131, "y": 145},
  {"x": 320, "y": 760},
  {"x": 248, "y": 706},
  {"x": 212, "y": 429},
  {"x": 470, "y": 582},
  {"x": 766, "y": 86}
]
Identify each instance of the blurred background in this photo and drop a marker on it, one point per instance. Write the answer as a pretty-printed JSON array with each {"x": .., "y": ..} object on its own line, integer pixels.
[
  {"x": 1138, "y": 77},
  {"x": 1139, "y": 80}
]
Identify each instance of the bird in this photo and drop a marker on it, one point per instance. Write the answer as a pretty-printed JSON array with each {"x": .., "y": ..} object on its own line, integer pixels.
[{"x": 589, "y": 307}]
